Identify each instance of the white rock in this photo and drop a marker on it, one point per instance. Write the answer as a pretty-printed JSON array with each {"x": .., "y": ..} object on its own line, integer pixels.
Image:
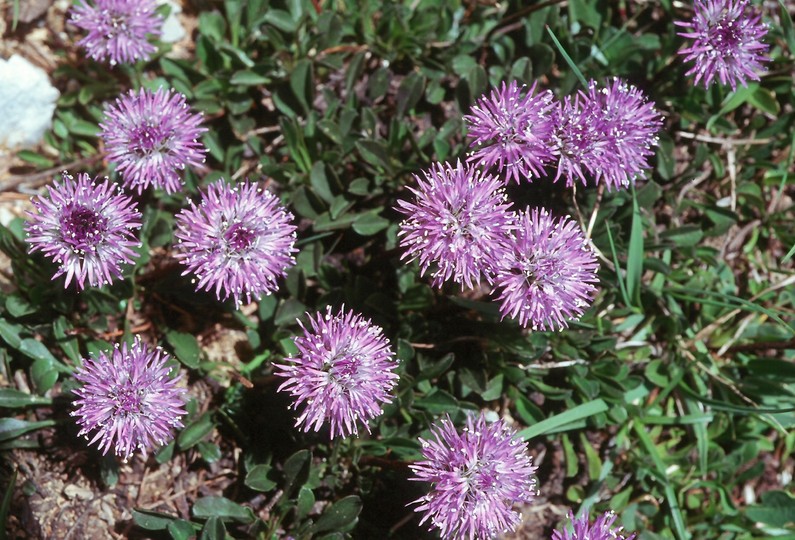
[
  {"x": 27, "y": 103},
  {"x": 173, "y": 30}
]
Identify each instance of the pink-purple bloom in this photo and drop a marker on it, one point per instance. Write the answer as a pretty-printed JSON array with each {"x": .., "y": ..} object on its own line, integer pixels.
[
  {"x": 86, "y": 227},
  {"x": 605, "y": 135},
  {"x": 343, "y": 374},
  {"x": 458, "y": 224},
  {"x": 151, "y": 137},
  {"x": 548, "y": 278},
  {"x": 727, "y": 42},
  {"x": 117, "y": 29},
  {"x": 628, "y": 124},
  {"x": 582, "y": 529},
  {"x": 576, "y": 141},
  {"x": 128, "y": 400},
  {"x": 239, "y": 240},
  {"x": 511, "y": 128},
  {"x": 476, "y": 477}
]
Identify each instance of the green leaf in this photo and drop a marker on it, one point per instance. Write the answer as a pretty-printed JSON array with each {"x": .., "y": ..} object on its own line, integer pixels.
[
  {"x": 151, "y": 520},
  {"x": 185, "y": 346},
  {"x": 281, "y": 20},
  {"x": 686, "y": 236},
  {"x": 36, "y": 159},
  {"x": 10, "y": 333},
  {"x": 369, "y": 224},
  {"x": 786, "y": 25},
  {"x": 14, "y": 399},
  {"x": 248, "y": 78},
  {"x": 305, "y": 502},
  {"x": 296, "y": 471},
  {"x": 11, "y": 428},
  {"x": 438, "y": 402},
  {"x": 374, "y": 153},
  {"x": 257, "y": 478},
  {"x": 180, "y": 529},
  {"x": 558, "y": 422},
  {"x": 302, "y": 84},
  {"x": 86, "y": 129},
  {"x": 777, "y": 509},
  {"x": 67, "y": 343},
  {"x": 340, "y": 515},
  {"x": 222, "y": 508},
  {"x": 409, "y": 93},
  {"x": 765, "y": 100},
  {"x": 196, "y": 431},
  {"x": 213, "y": 529}
]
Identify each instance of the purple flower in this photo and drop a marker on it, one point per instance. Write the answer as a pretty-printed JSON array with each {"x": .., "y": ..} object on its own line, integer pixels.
[
  {"x": 477, "y": 477},
  {"x": 343, "y": 374},
  {"x": 549, "y": 275},
  {"x": 128, "y": 399},
  {"x": 628, "y": 126},
  {"x": 727, "y": 42},
  {"x": 238, "y": 241},
  {"x": 117, "y": 29},
  {"x": 151, "y": 137},
  {"x": 512, "y": 130},
  {"x": 606, "y": 134},
  {"x": 576, "y": 140},
  {"x": 601, "y": 529},
  {"x": 86, "y": 227},
  {"x": 458, "y": 224}
]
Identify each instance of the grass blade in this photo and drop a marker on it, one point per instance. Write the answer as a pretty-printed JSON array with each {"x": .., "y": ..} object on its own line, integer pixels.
[
  {"x": 635, "y": 253},
  {"x": 621, "y": 286},
  {"x": 662, "y": 477},
  {"x": 567, "y": 58},
  {"x": 572, "y": 415}
]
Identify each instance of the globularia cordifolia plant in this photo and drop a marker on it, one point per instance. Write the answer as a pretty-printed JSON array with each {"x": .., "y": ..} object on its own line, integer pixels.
[
  {"x": 151, "y": 137},
  {"x": 458, "y": 224},
  {"x": 727, "y": 42},
  {"x": 548, "y": 278},
  {"x": 239, "y": 240},
  {"x": 343, "y": 374},
  {"x": 582, "y": 529},
  {"x": 86, "y": 227},
  {"x": 128, "y": 399},
  {"x": 477, "y": 476},
  {"x": 117, "y": 29},
  {"x": 512, "y": 128}
]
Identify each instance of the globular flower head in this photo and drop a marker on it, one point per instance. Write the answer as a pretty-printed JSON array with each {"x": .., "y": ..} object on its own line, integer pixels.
[
  {"x": 151, "y": 137},
  {"x": 458, "y": 224},
  {"x": 577, "y": 139},
  {"x": 601, "y": 529},
  {"x": 117, "y": 29},
  {"x": 86, "y": 227},
  {"x": 238, "y": 240},
  {"x": 605, "y": 134},
  {"x": 549, "y": 277},
  {"x": 128, "y": 400},
  {"x": 511, "y": 128},
  {"x": 343, "y": 374},
  {"x": 476, "y": 477},
  {"x": 727, "y": 42},
  {"x": 628, "y": 124}
]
